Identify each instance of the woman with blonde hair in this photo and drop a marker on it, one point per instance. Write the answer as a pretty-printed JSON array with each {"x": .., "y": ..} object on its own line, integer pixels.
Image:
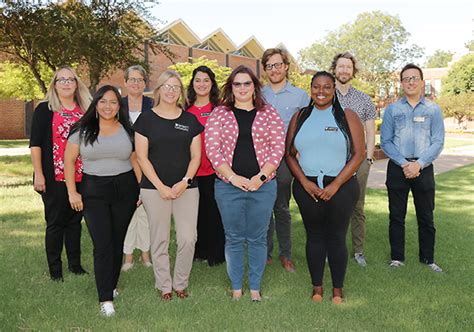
[
  {"x": 66, "y": 100},
  {"x": 168, "y": 147}
]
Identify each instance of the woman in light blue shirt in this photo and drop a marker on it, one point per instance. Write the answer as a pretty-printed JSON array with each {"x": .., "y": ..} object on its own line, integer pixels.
[{"x": 325, "y": 146}]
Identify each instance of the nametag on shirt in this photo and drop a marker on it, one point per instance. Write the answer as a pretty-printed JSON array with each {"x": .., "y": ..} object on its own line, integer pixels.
[
  {"x": 419, "y": 119},
  {"x": 331, "y": 129},
  {"x": 66, "y": 115},
  {"x": 181, "y": 127},
  {"x": 205, "y": 114}
]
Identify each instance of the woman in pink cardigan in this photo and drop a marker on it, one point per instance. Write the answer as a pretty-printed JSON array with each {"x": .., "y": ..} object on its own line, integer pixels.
[{"x": 245, "y": 143}]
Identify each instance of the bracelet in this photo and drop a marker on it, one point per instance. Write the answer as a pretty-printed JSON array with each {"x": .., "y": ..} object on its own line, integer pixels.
[{"x": 230, "y": 178}]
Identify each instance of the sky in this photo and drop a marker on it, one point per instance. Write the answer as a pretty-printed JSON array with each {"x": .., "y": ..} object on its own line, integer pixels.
[{"x": 433, "y": 24}]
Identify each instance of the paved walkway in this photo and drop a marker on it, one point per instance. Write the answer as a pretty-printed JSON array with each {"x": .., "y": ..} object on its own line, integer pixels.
[{"x": 448, "y": 160}]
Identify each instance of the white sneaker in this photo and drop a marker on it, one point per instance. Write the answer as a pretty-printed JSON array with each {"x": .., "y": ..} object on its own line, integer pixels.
[
  {"x": 107, "y": 309},
  {"x": 126, "y": 266},
  {"x": 435, "y": 267},
  {"x": 360, "y": 259},
  {"x": 115, "y": 293},
  {"x": 395, "y": 263}
]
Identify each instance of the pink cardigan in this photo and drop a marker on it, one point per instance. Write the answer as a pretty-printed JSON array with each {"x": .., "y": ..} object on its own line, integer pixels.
[{"x": 222, "y": 130}]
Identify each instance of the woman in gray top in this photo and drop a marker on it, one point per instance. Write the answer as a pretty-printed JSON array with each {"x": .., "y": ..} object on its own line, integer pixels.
[{"x": 109, "y": 192}]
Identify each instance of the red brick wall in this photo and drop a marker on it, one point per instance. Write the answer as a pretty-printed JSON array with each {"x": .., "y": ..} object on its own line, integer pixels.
[{"x": 12, "y": 119}]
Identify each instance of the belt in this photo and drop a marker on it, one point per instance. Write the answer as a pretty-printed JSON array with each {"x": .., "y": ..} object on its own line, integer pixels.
[{"x": 411, "y": 159}]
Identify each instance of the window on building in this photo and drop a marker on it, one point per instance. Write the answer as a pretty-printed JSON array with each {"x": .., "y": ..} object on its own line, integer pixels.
[
  {"x": 427, "y": 88},
  {"x": 437, "y": 87}
]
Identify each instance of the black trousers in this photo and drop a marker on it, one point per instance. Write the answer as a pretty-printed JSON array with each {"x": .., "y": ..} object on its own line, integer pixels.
[
  {"x": 109, "y": 203},
  {"x": 423, "y": 191},
  {"x": 210, "y": 232},
  {"x": 63, "y": 227},
  {"x": 326, "y": 225}
]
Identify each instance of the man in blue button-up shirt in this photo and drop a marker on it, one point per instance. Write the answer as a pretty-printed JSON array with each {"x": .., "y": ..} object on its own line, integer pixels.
[
  {"x": 412, "y": 136},
  {"x": 286, "y": 99}
]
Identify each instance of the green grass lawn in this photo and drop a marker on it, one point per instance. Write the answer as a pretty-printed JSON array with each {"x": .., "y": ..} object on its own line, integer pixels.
[
  {"x": 377, "y": 298},
  {"x": 14, "y": 143}
]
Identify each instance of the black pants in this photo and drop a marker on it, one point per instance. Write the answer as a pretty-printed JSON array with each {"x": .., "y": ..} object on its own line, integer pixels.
[
  {"x": 109, "y": 203},
  {"x": 423, "y": 191},
  {"x": 326, "y": 225},
  {"x": 63, "y": 226},
  {"x": 210, "y": 232}
]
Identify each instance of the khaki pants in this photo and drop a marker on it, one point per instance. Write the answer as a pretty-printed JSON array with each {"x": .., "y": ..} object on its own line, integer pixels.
[
  {"x": 184, "y": 211},
  {"x": 138, "y": 233},
  {"x": 358, "y": 216}
]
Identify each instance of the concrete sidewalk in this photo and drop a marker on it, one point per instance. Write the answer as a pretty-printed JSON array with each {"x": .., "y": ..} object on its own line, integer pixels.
[{"x": 448, "y": 160}]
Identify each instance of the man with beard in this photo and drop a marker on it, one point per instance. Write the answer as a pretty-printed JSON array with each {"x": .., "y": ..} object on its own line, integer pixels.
[
  {"x": 344, "y": 67},
  {"x": 286, "y": 99}
]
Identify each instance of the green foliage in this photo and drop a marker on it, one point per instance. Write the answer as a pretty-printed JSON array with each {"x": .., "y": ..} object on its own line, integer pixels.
[
  {"x": 101, "y": 36},
  {"x": 302, "y": 81},
  {"x": 459, "y": 106},
  {"x": 470, "y": 45},
  {"x": 378, "y": 40},
  {"x": 185, "y": 69},
  {"x": 439, "y": 59},
  {"x": 460, "y": 77},
  {"x": 18, "y": 81}
]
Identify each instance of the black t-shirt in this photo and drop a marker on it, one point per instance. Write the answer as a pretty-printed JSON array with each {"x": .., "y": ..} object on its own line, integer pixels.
[
  {"x": 169, "y": 144},
  {"x": 245, "y": 162}
]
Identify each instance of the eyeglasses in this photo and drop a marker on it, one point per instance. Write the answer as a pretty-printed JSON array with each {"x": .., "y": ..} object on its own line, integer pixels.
[
  {"x": 65, "y": 81},
  {"x": 238, "y": 85},
  {"x": 136, "y": 80},
  {"x": 169, "y": 87},
  {"x": 408, "y": 79},
  {"x": 277, "y": 65}
]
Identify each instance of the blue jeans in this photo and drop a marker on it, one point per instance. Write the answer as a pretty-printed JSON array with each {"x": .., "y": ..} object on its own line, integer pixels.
[{"x": 245, "y": 216}]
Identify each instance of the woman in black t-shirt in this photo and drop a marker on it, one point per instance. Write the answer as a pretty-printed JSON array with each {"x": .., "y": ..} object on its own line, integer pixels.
[{"x": 168, "y": 147}]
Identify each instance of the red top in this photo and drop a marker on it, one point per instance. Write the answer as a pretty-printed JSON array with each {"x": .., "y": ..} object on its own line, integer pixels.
[
  {"x": 202, "y": 114},
  {"x": 62, "y": 123},
  {"x": 268, "y": 135}
]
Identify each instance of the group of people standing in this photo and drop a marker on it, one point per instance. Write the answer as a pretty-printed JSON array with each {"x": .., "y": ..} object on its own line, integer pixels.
[{"x": 221, "y": 163}]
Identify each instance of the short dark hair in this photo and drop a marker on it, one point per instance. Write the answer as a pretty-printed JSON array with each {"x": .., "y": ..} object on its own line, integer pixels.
[
  {"x": 227, "y": 95},
  {"x": 411, "y": 66},
  {"x": 345, "y": 55}
]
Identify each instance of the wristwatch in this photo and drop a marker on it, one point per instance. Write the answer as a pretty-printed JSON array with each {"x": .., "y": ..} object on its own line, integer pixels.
[
  {"x": 263, "y": 177},
  {"x": 370, "y": 160},
  {"x": 188, "y": 180}
]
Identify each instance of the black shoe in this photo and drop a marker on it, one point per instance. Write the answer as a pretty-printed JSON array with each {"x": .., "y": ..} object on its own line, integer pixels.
[
  {"x": 78, "y": 270},
  {"x": 58, "y": 277}
]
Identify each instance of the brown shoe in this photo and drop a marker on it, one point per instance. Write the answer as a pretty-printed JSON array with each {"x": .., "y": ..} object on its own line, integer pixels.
[
  {"x": 287, "y": 264},
  {"x": 317, "y": 294},
  {"x": 182, "y": 294},
  {"x": 269, "y": 261},
  {"x": 337, "y": 297},
  {"x": 166, "y": 296}
]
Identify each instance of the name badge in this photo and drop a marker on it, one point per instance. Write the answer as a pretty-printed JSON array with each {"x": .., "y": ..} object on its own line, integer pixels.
[
  {"x": 205, "y": 114},
  {"x": 419, "y": 119},
  {"x": 331, "y": 129},
  {"x": 181, "y": 127},
  {"x": 66, "y": 115}
]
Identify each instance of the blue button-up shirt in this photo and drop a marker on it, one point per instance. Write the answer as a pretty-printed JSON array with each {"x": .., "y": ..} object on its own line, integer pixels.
[
  {"x": 286, "y": 101},
  {"x": 409, "y": 132}
]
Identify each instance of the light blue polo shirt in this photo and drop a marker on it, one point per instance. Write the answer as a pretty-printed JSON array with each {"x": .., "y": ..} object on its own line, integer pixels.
[{"x": 287, "y": 101}]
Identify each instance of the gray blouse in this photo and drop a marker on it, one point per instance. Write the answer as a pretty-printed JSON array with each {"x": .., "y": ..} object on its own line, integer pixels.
[{"x": 109, "y": 155}]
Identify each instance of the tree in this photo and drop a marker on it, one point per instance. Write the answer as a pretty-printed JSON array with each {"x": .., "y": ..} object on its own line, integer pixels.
[
  {"x": 439, "y": 59},
  {"x": 470, "y": 45},
  {"x": 378, "y": 40},
  {"x": 460, "y": 77},
  {"x": 99, "y": 36},
  {"x": 185, "y": 69},
  {"x": 460, "y": 106},
  {"x": 18, "y": 81}
]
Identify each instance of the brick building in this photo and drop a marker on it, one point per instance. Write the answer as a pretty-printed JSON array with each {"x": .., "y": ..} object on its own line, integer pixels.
[{"x": 184, "y": 45}]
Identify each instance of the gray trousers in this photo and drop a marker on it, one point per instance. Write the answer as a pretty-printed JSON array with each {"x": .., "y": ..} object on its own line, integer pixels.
[
  {"x": 358, "y": 216},
  {"x": 282, "y": 220}
]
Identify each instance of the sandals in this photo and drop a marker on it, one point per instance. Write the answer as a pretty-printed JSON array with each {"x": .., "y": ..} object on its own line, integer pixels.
[
  {"x": 166, "y": 296},
  {"x": 317, "y": 294},
  {"x": 182, "y": 294},
  {"x": 337, "y": 297}
]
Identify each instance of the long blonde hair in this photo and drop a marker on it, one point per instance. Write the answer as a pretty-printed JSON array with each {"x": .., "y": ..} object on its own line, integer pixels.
[
  {"x": 162, "y": 80},
  {"x": 82, "y": 97}
]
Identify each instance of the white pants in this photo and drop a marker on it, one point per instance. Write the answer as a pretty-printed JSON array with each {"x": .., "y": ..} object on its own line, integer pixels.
[{"x": 138, "y": 233}]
